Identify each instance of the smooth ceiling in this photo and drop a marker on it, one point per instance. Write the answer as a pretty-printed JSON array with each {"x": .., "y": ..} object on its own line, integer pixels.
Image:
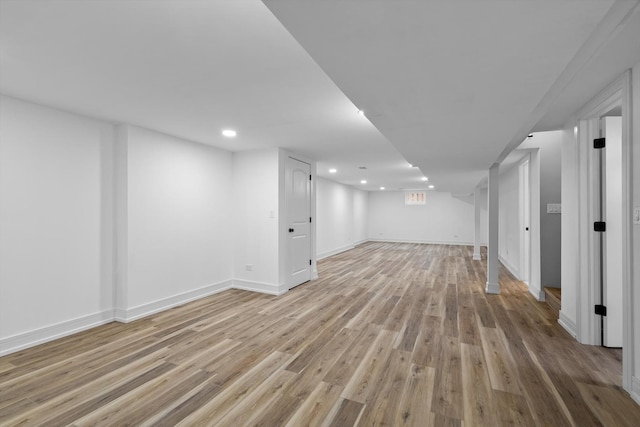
[{"x": 445, "y": 85}]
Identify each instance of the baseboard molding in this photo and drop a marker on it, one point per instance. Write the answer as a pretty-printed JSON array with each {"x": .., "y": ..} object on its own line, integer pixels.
[
  {"x": 335, "y": 251},
  {"x": 49, "y": 333},
  {"x": 424, "y": 242},
  {"x": 538, "y": 294},
  {"x": 568, "y": 325},
  {"x": 635, "y": 389},
  {"x": 492, "y": 288},
  {"x": 514, "y": 271},
  {"x": 264, "y": 288},
  {"x": 144, "y": 310}
]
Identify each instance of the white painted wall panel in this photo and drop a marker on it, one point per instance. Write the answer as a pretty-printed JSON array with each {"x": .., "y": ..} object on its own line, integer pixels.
[
  {"x": 179, "y": 212},
  {"x": 51, "y": 218},
  {"x": 443, "y": 219}
]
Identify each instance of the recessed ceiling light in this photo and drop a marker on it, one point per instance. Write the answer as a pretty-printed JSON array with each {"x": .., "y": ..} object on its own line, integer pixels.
[
  {"x": 432, "y": 186},
  {"x": 410, "y": 165},
  {"x": 332, "y": 170},
  {"x": 361, "y": 113},
  {"x": 364, "y": 181},
  {"x": 382, "y": 188},
  {"x": 424, "y": 178},
  {"x": 229, "y": 133}
]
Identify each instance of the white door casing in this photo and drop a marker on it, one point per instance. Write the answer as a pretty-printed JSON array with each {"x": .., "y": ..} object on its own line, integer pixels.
[{"x": 298, "y": 211}]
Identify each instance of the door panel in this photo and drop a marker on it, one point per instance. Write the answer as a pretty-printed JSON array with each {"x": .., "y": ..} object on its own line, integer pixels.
[{"x": 298, "y": 206}]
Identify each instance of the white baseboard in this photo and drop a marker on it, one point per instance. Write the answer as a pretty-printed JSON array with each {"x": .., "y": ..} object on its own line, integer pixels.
[
  {"x": 335, "y": 251},
  {"x": 568, "y": 325},
  {"x": 538, "y": 294},
  {"x": 265, "y": 288},
  {"x": 425, "y": 242},
  {"x": 150, "y": 308},
  {"x": 514, "y": 271},
  {"x": 49, "y": 333},
  {"x": 635, "y": 389},
  {"x": 492, "y": 288}
]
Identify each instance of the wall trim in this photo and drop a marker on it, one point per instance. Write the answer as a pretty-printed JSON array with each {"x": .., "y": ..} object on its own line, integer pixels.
[
  {"x": 335, "y": 251},
  {"x": 514, "y": 271},
  {"x": 568, "y": 325},
  {"x": 261, "y": 287},
  {"x": 635, "y": 389},
  {"x": 425, "y": 242},
  {"x": 52, "y": 332},
  {"x": 492, "y": 288},
  {"x": 538, "y": 294},
  {"x": 144, "y": 310}
]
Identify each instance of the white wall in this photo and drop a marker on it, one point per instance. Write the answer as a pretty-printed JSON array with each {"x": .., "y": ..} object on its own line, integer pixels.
[
  {"x": 256, "y": 213},
  {"x": 55, "y": 236},
  {"x": 342, "y": 217},
  {"x": 444, "y": 219},
  {"x": 570, "y": 231},
  {"x": 635, "y": 278},
  {"x": 360, "y": 216},
  {"x": 179, "y": 210},
  {"x": 509, "y": 232}
]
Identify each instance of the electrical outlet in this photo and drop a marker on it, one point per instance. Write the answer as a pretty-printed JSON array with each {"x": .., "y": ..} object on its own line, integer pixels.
[{"x": 248, "y": 267}]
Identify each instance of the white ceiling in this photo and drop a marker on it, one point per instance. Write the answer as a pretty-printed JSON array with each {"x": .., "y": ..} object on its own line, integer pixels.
[{"x": 449, "y": 84}]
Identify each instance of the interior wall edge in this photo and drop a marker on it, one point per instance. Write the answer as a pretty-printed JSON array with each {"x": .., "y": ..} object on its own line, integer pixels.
[
  {"x": 635, "y": 389},
  {"x": 568, "y": 324},
  {"x": 335, "y": 251},
  {"x": 48, "y": 333},
  {"x": 147, "y": 309}
]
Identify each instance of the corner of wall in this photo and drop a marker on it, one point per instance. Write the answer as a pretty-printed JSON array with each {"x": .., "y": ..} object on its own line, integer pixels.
[
  {"x": 635, "y": 389},
  {"x": 568, "y": 325}
]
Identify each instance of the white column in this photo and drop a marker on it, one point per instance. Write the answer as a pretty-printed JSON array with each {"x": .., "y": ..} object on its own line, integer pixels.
[
  {"x": 493, "y": 286},
  {"x": 476, "y": 233}
]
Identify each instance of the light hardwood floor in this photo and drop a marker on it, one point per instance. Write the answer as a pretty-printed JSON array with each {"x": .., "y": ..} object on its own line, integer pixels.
[{"x": 391, "y": 334}]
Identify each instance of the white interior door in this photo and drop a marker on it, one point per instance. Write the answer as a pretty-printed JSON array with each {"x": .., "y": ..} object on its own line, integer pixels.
[
  {"x": 525, "y": 194},
  {"x": 613, "y": 300},
  {"x": 298, "y": 206}
]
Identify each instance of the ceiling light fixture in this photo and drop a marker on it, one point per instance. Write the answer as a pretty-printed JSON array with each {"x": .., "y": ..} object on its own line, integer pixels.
[
  {"x": 332, "y": 170},
  {"x": 364, "y": 181},
  {"x": 432, "y": 186},
  {"x": 361, "y": 113},
  {"x": 229, "y": 133},
  {"x": 382, "y": 188},
  {"x": 424, "y": 178}
]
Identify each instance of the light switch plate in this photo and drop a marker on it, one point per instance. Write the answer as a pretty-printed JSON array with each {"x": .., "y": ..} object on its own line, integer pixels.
[{"x": 554, "y": 208}]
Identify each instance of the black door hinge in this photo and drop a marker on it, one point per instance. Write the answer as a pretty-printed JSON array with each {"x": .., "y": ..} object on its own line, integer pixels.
[
  {"x": 599, "y": 226},
  {"x": 309, "y": 177},
  {"x": 601, "y": 310},
  {"x": 598, "y": 143},
  {"x": 309, "y": 219},
  {"x": 309, "y": 262}
]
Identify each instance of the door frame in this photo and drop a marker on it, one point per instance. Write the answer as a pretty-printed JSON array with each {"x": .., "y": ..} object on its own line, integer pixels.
[
  {"x": 283, "y": 249},
  {"x": 616, "y": 94},
  {"x": 524, "y": 171}
]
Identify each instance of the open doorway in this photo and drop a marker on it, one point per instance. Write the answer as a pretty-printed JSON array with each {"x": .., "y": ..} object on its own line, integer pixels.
[
  {"x": 604, "y": 177},
  {"x": 525, "y": 220}
]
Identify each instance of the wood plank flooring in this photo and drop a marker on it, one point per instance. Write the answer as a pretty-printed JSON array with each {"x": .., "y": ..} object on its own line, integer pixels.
[{"x": 390, "y": 335}]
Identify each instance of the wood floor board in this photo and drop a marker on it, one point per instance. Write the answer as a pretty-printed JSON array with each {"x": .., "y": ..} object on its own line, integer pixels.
[{"x": 394, "y": 334}]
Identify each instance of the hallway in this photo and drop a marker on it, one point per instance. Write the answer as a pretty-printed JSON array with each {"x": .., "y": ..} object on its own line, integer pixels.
[{"x": 391, "y": 334}]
